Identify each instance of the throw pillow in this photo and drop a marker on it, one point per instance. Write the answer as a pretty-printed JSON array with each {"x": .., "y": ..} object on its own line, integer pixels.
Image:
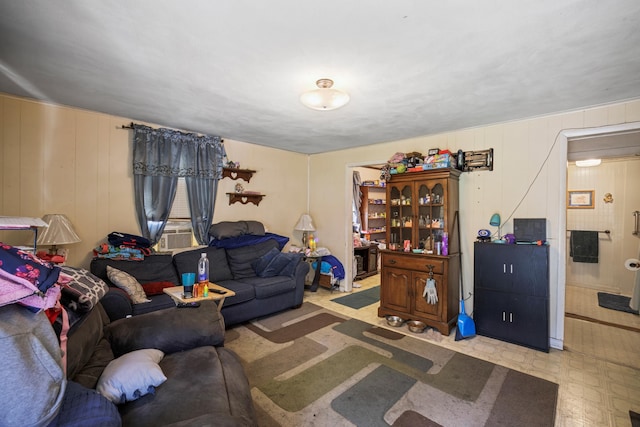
[
  {"x": 83, "y": 291},
  {"x": 259, "y": 264},
  {"x": 226, "y": 229},
  {"x": 128, "y": 283},
  {"x": 290, "y": 268},
  {"x": 282, "y": 264},
  {"x": 155, "y": 288},
  {"x": 132, "y": 376}
]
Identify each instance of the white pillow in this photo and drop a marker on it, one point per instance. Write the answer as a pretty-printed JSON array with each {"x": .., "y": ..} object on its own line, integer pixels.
[
  {"x": 128, "y": 283},
  {"x": 131, "y": 376}
]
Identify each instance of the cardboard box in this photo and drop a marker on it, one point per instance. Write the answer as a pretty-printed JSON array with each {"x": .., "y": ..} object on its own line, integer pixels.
[{"x": 437, "y": 161}]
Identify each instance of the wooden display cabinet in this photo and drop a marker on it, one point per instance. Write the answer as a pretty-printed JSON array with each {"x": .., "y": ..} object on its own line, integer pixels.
[
  {"x": 373, "y": 212},
  {"x": 421, "y": 207}
]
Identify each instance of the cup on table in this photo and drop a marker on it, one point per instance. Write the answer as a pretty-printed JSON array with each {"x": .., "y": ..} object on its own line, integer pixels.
[{"x": 188, "y": 279}]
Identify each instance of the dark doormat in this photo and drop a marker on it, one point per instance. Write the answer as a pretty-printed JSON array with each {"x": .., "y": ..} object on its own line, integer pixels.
[
  {"x": 635, "y": 419},
  {"x": 360, "y": 299},
  {"x": 615, "y": 302}
]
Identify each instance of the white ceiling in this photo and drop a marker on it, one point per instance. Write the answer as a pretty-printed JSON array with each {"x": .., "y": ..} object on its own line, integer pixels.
[{"x": 236, "y": 68}]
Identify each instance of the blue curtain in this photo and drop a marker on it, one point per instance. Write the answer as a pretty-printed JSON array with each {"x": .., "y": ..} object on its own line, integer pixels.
[
  {"x": 160, "y": 157},
  {"x": 203, "y": 159}
]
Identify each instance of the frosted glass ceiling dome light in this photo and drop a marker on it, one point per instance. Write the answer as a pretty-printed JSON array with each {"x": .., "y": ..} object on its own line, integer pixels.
[
  {"x": 588, "y": 163},
  {"x": 324, "y": 98}
]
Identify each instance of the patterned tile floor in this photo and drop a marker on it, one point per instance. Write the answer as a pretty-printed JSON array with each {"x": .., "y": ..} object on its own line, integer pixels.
[{"x": 598, "y": 372}]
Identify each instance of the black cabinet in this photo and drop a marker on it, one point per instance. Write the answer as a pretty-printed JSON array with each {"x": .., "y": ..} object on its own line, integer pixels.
[
  {"x": 511, "y": 296},
  {"x": 367, "y": 261}
]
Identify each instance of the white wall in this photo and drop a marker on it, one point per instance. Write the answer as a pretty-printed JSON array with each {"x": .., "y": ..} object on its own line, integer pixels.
[
  {"x": 56, "y": 159},
  {"x": 63, "y": 160},
  {"x": 523, "y": 150}
]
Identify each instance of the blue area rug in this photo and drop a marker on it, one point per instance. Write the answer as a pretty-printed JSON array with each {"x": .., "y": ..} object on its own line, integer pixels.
[
  {"x": 615, "y": 302},
  {"x": 360, "y": 299}
]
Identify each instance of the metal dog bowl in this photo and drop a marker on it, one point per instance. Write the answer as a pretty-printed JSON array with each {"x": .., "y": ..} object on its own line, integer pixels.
[
  {"x": 416, "y": 326},
  {"x": 395, "y": 321}
]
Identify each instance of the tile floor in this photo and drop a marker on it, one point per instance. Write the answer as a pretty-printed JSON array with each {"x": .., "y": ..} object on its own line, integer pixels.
[{"x": 598, "y": 372}]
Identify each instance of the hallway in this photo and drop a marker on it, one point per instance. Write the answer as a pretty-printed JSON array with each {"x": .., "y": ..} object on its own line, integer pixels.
[{"x": 590, "y": 330}]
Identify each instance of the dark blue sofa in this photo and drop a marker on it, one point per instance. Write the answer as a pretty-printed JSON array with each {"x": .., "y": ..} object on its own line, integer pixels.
[{"x": 239, "y": 269}]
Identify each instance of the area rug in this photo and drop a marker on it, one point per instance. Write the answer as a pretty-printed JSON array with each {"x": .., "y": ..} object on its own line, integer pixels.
[
  {"x": 615, "y": 302},
  {"x": 315, "y": 367},
  {"x": 360, "y": 299}
]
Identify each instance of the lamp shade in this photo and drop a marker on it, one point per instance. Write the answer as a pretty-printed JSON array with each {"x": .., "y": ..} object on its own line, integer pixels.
[
  {"x": 305, "y": 223},
  {"x": 324, "y": 98},
  {"x": 59, "y": 232},
  {"x": 495, "y": 220}
]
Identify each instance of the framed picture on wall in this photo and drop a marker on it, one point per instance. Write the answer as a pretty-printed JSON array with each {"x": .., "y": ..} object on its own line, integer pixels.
[{"x": 580, "y": 199}]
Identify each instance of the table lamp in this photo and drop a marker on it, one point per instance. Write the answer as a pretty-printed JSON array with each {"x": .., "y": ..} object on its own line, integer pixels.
[
  {"x": 305, "y": 224},
  {"x": 59, "y": 232},
  {"x": 495, "y": 222}
]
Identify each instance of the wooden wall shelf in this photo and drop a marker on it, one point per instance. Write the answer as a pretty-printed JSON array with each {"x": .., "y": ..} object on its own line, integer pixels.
[
  {"x": 232, "y": 173},
  {"x": 245, "y": 198}
]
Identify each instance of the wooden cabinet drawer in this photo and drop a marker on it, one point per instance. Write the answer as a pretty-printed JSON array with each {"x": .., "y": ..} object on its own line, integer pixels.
[{"x": 413, "y": 262}]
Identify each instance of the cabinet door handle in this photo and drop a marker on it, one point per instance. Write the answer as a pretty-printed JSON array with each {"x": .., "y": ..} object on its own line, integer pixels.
[
  {"x": 510, "y": 317},
  {"x": 511, "y": 268},
  {"x": 504, "y": 268},
  {"x": 504, "y": 316},
  {"x": 392, "y": 261}
]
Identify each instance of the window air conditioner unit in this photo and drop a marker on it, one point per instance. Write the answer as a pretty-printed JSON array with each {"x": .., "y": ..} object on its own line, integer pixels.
[{"x": 176, "y": 235}]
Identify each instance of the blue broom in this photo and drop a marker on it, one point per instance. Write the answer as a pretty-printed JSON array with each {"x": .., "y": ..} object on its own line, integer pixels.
[{"x": 465, "y": 328}]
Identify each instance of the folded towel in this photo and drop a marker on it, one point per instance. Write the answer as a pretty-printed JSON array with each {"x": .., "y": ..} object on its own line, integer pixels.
[{"x": 583, "y": 246}]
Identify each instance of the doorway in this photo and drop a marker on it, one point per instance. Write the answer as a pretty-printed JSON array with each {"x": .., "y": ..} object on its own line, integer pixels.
[
  {"x": 606, "y": 334},
  {"x": 368, "y": 172}
]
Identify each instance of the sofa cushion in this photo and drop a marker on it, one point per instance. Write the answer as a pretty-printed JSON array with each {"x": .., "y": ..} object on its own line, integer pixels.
[
  {"x": 265, "y": 287},
  {"x": 157, "y": 302},
  {"x": 132, "y": 375},
  {"x": 154, "y": 268},
  {"x": 205, "y": 386},
  {"x": 129, "y": 283},
  {"x": 244, "y": 292},
  {"x": 240, "y": 259},
  {"x": 187, "y": 262},
  {"x": 88, "y": 353},
  {"x": 170, "y": 330}
]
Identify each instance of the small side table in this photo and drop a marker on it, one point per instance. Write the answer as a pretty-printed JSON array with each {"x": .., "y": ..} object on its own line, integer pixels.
[{"x": 177, "y": 293}]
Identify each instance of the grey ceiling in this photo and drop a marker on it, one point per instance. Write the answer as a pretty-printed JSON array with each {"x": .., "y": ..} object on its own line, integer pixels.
[{"x": 236, "y": 68}]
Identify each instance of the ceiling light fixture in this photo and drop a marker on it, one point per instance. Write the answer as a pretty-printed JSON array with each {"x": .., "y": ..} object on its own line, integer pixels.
[
  {"x": 324, "y": 98},
  {"x": 588, "y": 163}
]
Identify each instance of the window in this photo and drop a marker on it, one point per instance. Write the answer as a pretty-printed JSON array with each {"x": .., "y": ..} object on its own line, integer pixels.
[{"x": 180, "y": 208}]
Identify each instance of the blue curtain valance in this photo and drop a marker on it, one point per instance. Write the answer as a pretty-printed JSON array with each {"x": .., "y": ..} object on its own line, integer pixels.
[{"x": 168, "y": 152}]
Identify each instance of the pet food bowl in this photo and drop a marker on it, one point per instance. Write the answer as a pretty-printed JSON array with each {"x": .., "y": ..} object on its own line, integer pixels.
[
  {"x": 395, "y": 321},
  {"x": 416, "y": 326}
]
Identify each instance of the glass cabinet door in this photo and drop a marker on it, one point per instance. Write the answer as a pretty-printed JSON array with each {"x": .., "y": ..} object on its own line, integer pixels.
[
  {"x": 400, "y": 216},
  {"x": 431, "y": 215}
]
